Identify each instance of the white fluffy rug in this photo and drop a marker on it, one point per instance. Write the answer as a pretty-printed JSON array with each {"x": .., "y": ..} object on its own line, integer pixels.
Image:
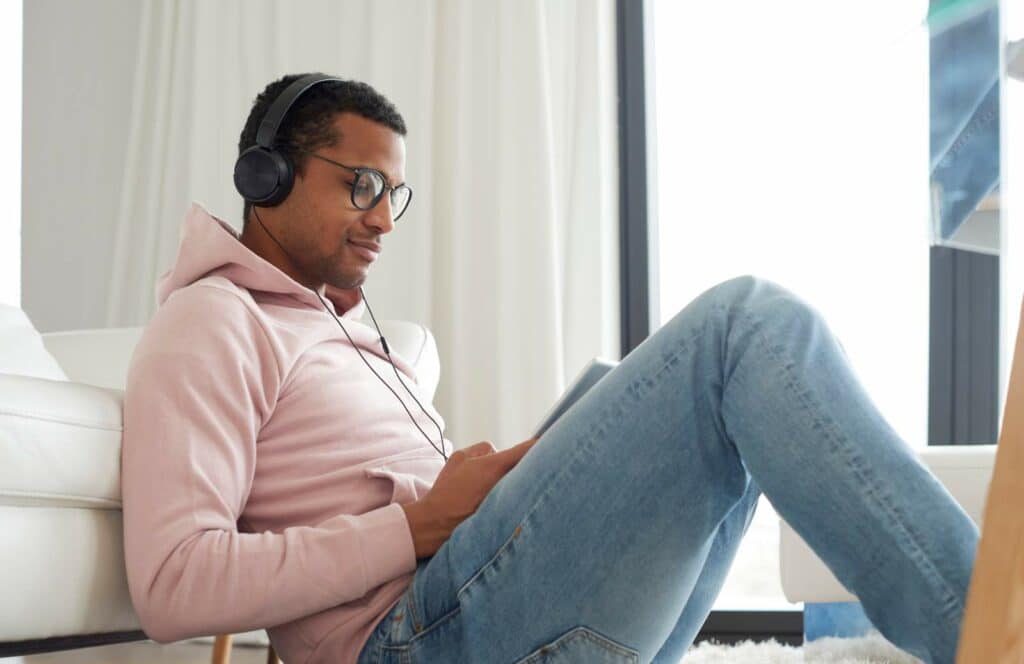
[{"x": 870, "y": 649}]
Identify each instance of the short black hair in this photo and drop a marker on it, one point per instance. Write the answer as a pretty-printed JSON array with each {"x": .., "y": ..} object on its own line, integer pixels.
[{"x": 308, "y": 124}]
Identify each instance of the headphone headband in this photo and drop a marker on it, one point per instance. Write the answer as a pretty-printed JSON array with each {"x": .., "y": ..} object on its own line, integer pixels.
[
  {"x": 267, "y": 132},
  {"x": 263, "y": 174}
]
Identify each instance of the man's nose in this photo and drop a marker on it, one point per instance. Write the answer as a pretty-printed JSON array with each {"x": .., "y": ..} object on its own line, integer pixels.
[{"x": 380, "y": 216}]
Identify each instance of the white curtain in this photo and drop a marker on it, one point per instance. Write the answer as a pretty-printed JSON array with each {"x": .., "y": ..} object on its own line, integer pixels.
[{"x": 509, "y": 253}]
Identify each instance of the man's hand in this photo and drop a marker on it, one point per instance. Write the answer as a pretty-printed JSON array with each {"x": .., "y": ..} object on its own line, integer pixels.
[{"x": 461, "y": 486}]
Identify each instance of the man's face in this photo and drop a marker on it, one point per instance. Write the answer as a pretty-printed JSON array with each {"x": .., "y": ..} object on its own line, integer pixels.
[{"x": 320, "y": 224}]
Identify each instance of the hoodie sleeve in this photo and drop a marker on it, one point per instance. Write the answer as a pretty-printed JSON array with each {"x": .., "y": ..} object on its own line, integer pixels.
[{"x": 201, "y": 383}]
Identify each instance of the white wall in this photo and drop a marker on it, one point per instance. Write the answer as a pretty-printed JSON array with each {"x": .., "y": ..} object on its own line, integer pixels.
[
  {"x": 78, "y": 68},
  {"x": 10, "y": 147}
]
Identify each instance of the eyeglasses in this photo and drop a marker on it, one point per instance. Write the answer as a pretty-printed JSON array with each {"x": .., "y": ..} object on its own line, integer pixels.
[{"x": 369, "y": 187}]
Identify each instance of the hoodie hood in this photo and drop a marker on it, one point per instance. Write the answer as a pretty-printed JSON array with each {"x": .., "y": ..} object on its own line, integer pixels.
[{"x": 209, "y": 245}]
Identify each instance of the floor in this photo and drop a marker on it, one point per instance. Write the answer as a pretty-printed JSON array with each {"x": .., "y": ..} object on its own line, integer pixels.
[
  {"x": 754, "y": 581},
  {"x": 149, "y": 652},
  {"x": 872, "y": 649}
]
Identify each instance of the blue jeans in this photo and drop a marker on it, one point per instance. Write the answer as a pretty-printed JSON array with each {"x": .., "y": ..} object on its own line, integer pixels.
[{"x": 610, "y": 539}]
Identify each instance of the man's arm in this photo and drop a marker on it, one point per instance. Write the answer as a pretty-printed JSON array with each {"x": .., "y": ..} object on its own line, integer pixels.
[
  {"x": 201, "y": 383},
  {"x": 427, "y": 535}
]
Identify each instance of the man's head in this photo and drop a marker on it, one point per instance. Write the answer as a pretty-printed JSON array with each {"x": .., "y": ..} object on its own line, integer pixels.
[{"x": 342, "y": 121}]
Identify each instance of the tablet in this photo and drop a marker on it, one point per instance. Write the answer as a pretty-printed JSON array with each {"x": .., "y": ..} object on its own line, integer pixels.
[{"x": 586, "y": 379}]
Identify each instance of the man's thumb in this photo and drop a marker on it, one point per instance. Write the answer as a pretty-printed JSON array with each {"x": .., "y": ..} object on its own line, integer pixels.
[{"x": 513, "y": 454}]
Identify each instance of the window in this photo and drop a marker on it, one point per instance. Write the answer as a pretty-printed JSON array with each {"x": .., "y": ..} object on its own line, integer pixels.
[
  {"x": 799, "y": 155},
  {"x": 798, "y": 141}
]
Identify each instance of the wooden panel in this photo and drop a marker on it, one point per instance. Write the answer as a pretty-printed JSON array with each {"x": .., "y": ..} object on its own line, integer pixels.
[{"x": 993, "y": 628}]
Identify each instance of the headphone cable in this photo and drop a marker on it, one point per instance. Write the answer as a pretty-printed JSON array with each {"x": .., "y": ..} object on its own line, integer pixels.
[{"x": 387, "y": 352}]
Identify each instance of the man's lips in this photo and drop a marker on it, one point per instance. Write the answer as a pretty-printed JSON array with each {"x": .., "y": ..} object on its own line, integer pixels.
[{"x": 368, "y": 250}]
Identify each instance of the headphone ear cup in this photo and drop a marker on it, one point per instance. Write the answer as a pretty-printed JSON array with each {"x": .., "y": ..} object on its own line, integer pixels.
[{"x": 263, "y": 177}]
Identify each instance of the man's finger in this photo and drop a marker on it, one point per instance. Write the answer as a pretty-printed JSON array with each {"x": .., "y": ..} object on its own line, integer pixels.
[
  {"x": 512, "y": 454},
  {"x": 481, "y": 448}
]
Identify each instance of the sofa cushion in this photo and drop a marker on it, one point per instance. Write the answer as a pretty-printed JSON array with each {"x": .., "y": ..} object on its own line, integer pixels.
[
  {"x": 60, "y": 443},
  {"x": 62, "y": 565},
  {"x": 21, "y": 348}
]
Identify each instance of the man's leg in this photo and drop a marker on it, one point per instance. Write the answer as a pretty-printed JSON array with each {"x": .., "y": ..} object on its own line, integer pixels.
[
  {"x": 592, "y": 546},
  {"x": 712, "y": 576}
]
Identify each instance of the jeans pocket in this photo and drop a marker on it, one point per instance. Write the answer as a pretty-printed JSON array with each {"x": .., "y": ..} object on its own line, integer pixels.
[
  {"x": 582, "y": 644},
  {"x": 383, "y": 635}
]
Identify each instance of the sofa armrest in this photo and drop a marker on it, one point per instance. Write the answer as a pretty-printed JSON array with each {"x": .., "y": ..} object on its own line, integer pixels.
[
  {"x": 95, "y": 356},
  {"x": 416, "y": 344},
  {"x": 59, "y": 442}
]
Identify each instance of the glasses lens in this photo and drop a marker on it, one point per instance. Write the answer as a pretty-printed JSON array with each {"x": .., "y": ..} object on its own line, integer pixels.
[
  {"x": 367, "y": 189},
  {"x": 400, "y": 196}
]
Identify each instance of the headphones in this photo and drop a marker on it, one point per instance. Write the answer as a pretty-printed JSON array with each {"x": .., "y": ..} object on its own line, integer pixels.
[{"x": 264, "y": 176}]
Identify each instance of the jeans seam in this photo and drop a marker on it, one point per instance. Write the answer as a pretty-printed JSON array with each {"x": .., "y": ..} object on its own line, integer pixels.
[
  {"x": 918, "y": 554},
  {"x": 416, "y": 622},
  {"x": 515, "y": 534}
]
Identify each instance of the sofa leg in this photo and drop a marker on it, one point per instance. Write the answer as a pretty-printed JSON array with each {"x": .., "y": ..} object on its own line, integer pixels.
[{"x": 222, "y": 649}]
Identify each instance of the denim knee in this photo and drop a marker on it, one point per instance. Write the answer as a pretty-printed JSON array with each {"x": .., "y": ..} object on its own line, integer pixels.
[
  {"x": 753, "y": 298},
  {"x": 752, "y": 294}
]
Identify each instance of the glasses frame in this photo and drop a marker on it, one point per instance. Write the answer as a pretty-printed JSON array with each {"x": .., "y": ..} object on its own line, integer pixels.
[{"x": 359, "y": 170}]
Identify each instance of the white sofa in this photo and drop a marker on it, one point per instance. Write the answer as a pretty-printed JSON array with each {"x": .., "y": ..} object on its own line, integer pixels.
[
  {"x": 965, "y": 470},
  {"x": 61, "y": 559}
]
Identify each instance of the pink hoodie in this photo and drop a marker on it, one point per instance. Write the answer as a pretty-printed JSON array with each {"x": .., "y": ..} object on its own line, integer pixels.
[{"x": 263, "y": 464}]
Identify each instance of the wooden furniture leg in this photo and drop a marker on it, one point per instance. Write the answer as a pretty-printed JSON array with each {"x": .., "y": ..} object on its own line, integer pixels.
[{"x": 222, "y": 649}]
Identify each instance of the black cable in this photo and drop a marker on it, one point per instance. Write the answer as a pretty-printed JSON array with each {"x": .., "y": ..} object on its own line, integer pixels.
[{"x": 386, "y": 352}]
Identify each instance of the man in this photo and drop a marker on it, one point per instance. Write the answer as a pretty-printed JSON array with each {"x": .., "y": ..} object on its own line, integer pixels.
[{"x": 271, "y": 480}]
